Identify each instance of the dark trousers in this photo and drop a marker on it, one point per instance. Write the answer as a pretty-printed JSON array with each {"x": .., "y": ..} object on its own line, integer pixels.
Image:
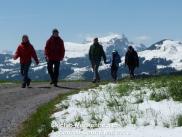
[
  {"x": 24, "y": 73},
  {"x": 53, "y": 69},
  {"x": 114, "y": 70},
  {"x": 131, "y": 70},
  {"x": 95, "y": 67}
]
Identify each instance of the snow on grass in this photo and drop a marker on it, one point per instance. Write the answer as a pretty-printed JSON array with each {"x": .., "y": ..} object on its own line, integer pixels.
[{"x": 118, "y": 110}]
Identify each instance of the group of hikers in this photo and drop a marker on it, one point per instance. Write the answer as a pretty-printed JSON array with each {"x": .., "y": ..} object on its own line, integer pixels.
[
  {"x": 55, "y": 52},
  {"x": 96, "y": 53}
]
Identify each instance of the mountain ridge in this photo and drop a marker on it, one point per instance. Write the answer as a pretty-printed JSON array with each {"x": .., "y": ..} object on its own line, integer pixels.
[{"x": 163, "y": 57}]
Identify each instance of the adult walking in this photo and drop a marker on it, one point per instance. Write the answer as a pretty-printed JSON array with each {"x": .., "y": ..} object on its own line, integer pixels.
[
  {"x": 96, "y": 53},
  {"x": 25, "y": 52},
  {"x": 131, "y": 60},
  {"x": 54, "y": 53}
]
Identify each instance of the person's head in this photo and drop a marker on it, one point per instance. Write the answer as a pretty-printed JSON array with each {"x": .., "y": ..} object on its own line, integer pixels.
[
  {"x": 55, "y": 33},
  {"x": 130, "y": 48},
  {"x": 25, "y": 39},
  {"x": 96, "y": 40},
  {"x": 114, "y": 52}
]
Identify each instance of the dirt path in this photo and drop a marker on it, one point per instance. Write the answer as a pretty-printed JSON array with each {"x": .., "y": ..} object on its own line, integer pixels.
[{"x": 17, "y": 104}]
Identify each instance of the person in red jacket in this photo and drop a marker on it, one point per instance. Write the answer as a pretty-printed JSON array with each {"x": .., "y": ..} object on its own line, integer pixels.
[
  {"x": 25, "y": 52},
  {"x": 54, "y": 53}
]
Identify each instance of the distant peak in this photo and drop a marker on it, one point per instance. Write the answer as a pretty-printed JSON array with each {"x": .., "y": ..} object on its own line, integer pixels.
[
  {"x": 159, "y": 44},
  {"x": 106, "y": 38}
]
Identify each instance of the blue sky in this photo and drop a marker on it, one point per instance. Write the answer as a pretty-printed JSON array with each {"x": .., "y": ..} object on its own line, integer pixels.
[{"x": 145, "y": 21}]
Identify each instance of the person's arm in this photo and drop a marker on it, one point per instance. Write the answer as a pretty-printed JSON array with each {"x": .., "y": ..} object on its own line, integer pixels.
[
  {"x": 137, "y": 60},
  {"x": 62, "y": 50},
  {"x": 34, "y": 56},
  {"x": 126, "y": 59},
  {"x": 17, "y": 54},
  {"x": 103, "y": 55},
  {"x": 90, "y": 53},
  {"x": 47, "y": 50}
]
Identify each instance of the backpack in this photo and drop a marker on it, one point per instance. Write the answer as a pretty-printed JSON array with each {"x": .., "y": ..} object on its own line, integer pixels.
[{"x": 117, "y": 59}]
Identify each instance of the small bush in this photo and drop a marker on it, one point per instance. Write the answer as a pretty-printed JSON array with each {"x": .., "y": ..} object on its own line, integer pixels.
[
  {"x": 113, "y": 120},
  {"x": 167, "y": 125},
  {"x": 139, "y": 98},
  {"x": 180, "y": 121},
  {"x": 133, "y": 119},
  {"x": 95, "y": 120},
  {"x": 158, "y": 96},
  {"x": 78, "y": 119},
  {"x": 175, "y": 90}
]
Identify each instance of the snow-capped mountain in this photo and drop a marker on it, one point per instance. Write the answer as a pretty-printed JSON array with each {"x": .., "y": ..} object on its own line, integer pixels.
[
  {"x": 161, "y": 57},
  {"x": 166, "y": 52},
  {"x": 114, "y": 41}
]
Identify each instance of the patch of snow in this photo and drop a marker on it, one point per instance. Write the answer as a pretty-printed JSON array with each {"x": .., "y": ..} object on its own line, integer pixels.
[
  {"x": 39, "y": 67},
  {"x": 12, "y": 61},
  {"x": 92, "y": 113},
  {"x": 77, "y": 74},
  {"x": 5, "y": 70}
]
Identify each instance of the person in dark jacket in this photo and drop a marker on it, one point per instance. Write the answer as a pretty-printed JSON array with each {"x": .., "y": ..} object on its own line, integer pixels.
[
  {"x": 116, "y": 59},
  {"x": 54, "y": 53},
  {"x": 25, "y": 52},
  {"x": 131, "y": 60},
  {"x": 96, "y": 53}
]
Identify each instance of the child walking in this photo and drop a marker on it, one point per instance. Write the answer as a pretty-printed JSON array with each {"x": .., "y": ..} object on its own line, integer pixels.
[
  {"x": 25, "y": 52},
  {"x": 116, "y": 59}
]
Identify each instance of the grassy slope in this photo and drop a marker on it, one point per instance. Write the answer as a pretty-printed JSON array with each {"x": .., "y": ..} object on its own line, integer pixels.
[{"x": 42, "y": 119}]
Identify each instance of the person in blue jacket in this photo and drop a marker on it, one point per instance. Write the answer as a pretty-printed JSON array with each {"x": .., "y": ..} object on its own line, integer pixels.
[{"x": 116, "y": 59}]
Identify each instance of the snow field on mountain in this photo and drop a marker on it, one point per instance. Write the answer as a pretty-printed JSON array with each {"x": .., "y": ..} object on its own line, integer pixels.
[{"x": 169, "y": 50}]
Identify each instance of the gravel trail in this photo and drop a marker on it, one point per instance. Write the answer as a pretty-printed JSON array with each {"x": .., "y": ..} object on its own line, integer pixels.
[{"x": 17, "y": 104}]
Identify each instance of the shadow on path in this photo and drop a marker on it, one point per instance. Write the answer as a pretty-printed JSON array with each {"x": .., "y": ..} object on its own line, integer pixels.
[{"x": 60, "y": 87}]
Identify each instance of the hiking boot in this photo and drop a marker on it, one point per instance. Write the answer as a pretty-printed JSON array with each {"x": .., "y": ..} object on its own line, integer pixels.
[
  {"x": 23, "y": 86},
  {"x": 94, "y": 81},
  {"x": 51, "y": 82},
  {"x": 28, "y": 82},
  {"x": 55, "y": 85}
]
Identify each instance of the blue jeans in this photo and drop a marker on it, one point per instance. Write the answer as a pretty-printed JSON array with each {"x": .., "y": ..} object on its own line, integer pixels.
[
  {"x": 95, "y": 67},
  {"x": 24, "y": 72}
]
